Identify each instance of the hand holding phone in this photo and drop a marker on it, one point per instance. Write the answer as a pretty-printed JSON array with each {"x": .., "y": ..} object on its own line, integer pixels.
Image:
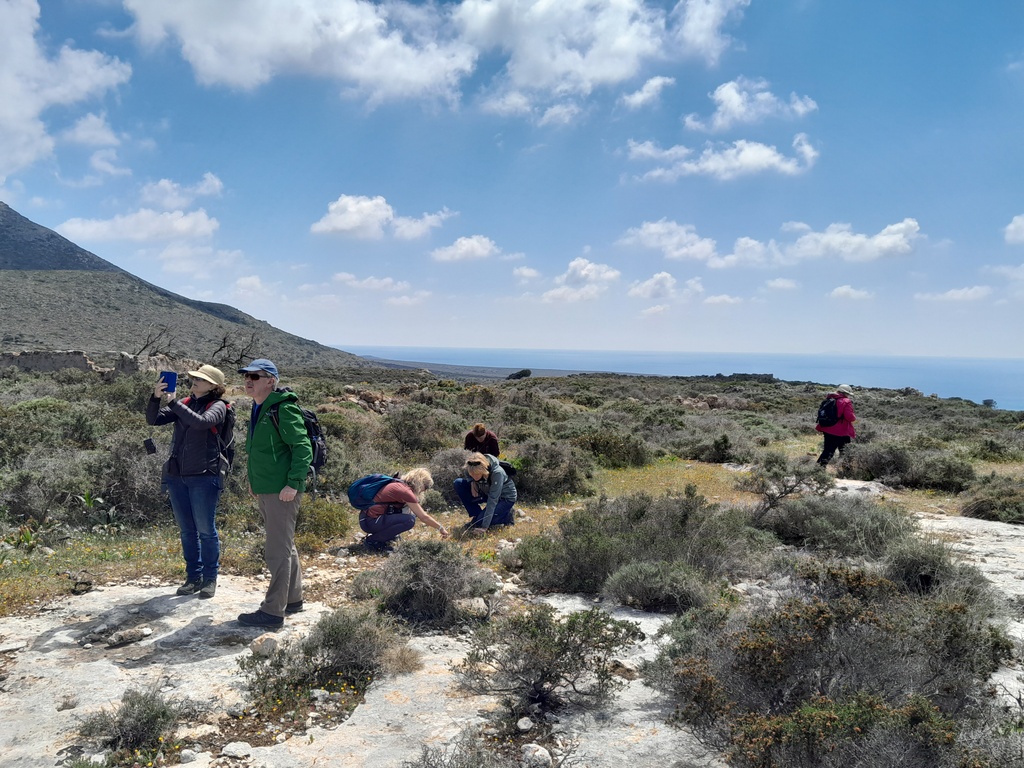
[{"x": 171, "y": 379}]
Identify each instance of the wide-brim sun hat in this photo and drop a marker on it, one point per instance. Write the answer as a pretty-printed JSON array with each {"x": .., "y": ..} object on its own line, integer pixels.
[
  {"x": 846, "y": 389},
  {"x": 208, "y": 373}
]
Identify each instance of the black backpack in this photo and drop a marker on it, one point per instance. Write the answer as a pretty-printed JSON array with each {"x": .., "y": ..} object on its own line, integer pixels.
[
  {"x": 510, "y": 471},
  {"x": 828, "y": 412},
  {"x": 313, "y": 432}
]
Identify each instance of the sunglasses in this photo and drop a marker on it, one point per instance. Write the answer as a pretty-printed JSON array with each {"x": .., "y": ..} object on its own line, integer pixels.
[{"x": 254, "y": 376}]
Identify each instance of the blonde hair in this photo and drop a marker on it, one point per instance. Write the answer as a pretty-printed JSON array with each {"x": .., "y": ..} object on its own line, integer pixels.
[
  {"x": 475, "y": 460},
  {"x": 419, "y": 479}
]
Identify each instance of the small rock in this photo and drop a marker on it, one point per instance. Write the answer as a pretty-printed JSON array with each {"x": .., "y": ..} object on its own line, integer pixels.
[
  {"x": 188, "y": 756},
  {"x": 264, "y": 645},
  {"x": 472, "y": 606},
  {"x": 524, "y": 724},
  {"x": 126, "y": 636},
  {"x": 535, "y": 756},
  {"x": 237, "y": 749}
]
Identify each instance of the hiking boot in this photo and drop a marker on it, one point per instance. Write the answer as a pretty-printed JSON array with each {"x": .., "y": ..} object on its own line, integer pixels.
[
  {"x": 379, "y": 547},
  {"x": 295, "y": 607},
  {"x": 207, "y": 589},
  {"x": 190, "y": 587},
  {"x": 260, "y": 619}
]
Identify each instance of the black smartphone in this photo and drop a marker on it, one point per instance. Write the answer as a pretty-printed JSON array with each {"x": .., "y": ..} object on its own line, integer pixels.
[{"x": 171, "y": 378}]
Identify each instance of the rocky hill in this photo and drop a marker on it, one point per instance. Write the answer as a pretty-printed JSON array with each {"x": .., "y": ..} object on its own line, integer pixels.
[{"x": 55, "y": 295}]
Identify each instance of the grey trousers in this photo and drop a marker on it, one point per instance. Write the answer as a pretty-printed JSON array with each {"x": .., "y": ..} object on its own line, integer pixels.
[{"x": 279, "y": 552}]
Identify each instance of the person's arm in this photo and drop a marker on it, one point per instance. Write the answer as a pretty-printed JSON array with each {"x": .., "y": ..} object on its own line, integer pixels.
[
  {"x": 155, "y": 415},
  {"x": 497, "y": 480},
  {"x": 491, "y": 445},
  {"x": 469, "y": 443},
  {"x": 428, "y": 519},
  {"x": 211, "y": 417},
  {"x": 292, "y": 429},
  {"x": 847, "y": 414}
]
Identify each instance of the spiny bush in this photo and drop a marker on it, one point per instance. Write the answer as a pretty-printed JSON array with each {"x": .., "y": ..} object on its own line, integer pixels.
[
  {"x": 345, "y": 650},
  {"x": 551, "y": 470},
  {"x": 613, "y": 449},
  {"x": 321, "y": 520},
  {"x": 847, "y": 526},
  {"x": 774, "y": 478},
  {"x": 659, "y": 586},
  {"x": 468, "y": 751},
  {"x": 995, "y": 497},
  {"x": 419, "y": 429},
  {"x": 138, "y": 723},
  {"x": 898, "y": 465},
  {"x": 538, "y": 662},
  {"x": 423, "y": 580}
]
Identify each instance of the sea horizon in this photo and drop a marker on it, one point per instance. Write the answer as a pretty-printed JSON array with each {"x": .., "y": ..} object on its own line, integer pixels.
[{"x": 974, "y": 379}]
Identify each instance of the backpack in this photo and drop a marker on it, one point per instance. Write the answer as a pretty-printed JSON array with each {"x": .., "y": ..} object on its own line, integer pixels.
[
  {"x": 313, "y": 432},
  {"x": 363, "y": 490},
  {"x": 225, "y": 431},
  {"x": 510, "y": 471},
  {"x": 828, "y": 412}
]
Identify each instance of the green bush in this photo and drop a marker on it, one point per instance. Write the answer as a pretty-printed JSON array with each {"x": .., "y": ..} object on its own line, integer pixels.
[
  {"x": 138, "y": 723},
  {"x": 422, "y": 581},
  {"x": 659, "y": 586},
  {"x": 898, "y": 465},
  {"x": 612, "y": 449},
  {"x": 320, "y": 521},
  {"x": 551, "y": 471},
  {"x": 995, "y": 497},
  {"x": 538, "y": 662},
  {"x": 468, "y": 751}
]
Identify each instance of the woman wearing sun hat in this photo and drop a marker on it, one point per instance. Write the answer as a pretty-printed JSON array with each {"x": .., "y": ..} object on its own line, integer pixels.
[
  {"x": 195, "y": 471},
  {"x": 838, "y": 435}
]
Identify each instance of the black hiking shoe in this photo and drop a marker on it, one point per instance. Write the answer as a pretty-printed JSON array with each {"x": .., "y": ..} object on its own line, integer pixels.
[
  {"x": 207, "y": 589},
  {"x": 295, "y": 607},
  {"x": 261, "y": 619},
  {"x": 190, "y": 587}
]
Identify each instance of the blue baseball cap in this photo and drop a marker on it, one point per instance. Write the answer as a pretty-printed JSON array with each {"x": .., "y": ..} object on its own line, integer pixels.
[{"x": 260, "y": 365}]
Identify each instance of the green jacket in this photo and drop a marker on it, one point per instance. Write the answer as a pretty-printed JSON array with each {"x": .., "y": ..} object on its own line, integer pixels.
[{"x": 278, "y": 457}]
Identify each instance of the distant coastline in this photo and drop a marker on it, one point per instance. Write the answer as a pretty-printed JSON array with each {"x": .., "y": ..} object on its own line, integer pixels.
[{"x": 975, "y": 379}]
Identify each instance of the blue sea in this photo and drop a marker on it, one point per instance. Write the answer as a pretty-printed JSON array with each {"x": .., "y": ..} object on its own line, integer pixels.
[{"x": 975, "y": 379}]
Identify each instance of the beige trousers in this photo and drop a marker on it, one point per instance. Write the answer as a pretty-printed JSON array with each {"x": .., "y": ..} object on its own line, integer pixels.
[{"x": 279, "y": 552}]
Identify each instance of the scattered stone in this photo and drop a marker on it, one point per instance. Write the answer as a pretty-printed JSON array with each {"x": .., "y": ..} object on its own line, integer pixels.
[
  {"x": 264, "y": 645},
  {"x": 11, "y": 647},
  {"x": 535, "y": 756},
  {"x": 237, "y": 749},
  {"x": 524, "y": 724},
  {"x": 128, "y": 636},
  {"x": 188, "y": 756},
  {"x": 475, "y": 607}
]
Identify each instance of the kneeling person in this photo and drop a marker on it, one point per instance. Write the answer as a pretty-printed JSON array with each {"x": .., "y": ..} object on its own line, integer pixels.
[
  {"x": 487, "y": 493},
  {"x": 395, "y": 509}
]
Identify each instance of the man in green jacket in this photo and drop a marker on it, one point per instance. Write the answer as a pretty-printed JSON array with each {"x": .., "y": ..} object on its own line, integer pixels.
[{"x": 279, "y": 457}]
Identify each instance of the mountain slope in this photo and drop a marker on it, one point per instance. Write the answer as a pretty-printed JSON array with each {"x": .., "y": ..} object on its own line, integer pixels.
[{"x": 55, "y": 295}]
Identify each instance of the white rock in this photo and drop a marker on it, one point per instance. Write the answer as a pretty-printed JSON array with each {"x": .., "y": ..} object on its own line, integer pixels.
[
  {"x": 524, "y": 724},
  {"x": 535, "y": 756},
  {"x": 264, "y": 645},
  {"x": 237, "y": 749}
]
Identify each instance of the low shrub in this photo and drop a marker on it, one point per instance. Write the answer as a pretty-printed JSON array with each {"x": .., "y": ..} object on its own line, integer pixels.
[
  {"x": 468, "y": 751},
  {"x": 995, "y": 497},
  {"x": 423, "y": 580},
  {"x": 659, "y": 586},
  {"x": 538, "y": 662},
  {"x": 774, "y": 478},
  {"x": 139, "y": 723},
  {"x": 320, "y": 521},
  {"x": 549, "y": 470},
  {"x": 899, "y": 465},
  {"x": 613, "y": 449}
]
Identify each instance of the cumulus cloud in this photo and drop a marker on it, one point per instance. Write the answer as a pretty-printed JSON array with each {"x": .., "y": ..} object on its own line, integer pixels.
[
  {"x": 170, "y": 195},
  {"x": 407, "y": 228},
  {"x": 743, "y": 101},
  {"x": 466, "y": 249},
  {"x": 409, "y": 300},
  {"x": 849, "y": 292},
  {"x": 367, "y": 217},
  {"x": 675, "y": 241},
  {"x": 781, "y": 284},
  {"x": 525, "y": 274},
  {"x": 105, "y": 161},
  {"x": 582, "y": 281},
  {"x": 1014, "y": 231},
  {"x": 34, "y": 82},
  {"x": 840, "y": 241},
  {"x": 142, "y": 226},
  {"x": 371, "y": 283},
  {"x": 251, "y": 287},
  {"x": 657, "y": 309},
  {"x": 1011, "y": 273},
  {"x": 198, "y": 261},
  {"x": 660, "y": 286},
  {"x": 648, "y": 94},
  {"x": 974, "y": 293},
  {"x": 724, "y": 162},
  {"x": 699, "y": 31},
  {"x": 723, "y": 299},
  {"x": 91, "y": 130}
]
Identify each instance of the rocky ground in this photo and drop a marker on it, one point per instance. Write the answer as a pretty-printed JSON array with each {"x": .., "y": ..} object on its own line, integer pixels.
[{"x": 80, "y": 654}]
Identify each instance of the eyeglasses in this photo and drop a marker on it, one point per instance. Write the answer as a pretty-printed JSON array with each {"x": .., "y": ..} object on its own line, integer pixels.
[{"x": 253, "y": 376}]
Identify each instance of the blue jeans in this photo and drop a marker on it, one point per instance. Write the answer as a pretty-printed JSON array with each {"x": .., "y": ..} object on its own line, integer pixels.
[
  {"x": 385, "y": 528},
  {"x": 475, "y": 505},
  {"x": 194, "y": 501}
]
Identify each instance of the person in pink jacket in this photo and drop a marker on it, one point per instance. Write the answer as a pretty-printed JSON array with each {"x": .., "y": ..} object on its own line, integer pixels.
[{"x": 839, "y": 434}]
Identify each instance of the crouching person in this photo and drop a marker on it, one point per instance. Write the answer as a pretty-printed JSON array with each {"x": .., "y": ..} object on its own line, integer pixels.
[
  {"x": 487, "y": 493},
  {"x": 395, "y": 509}
]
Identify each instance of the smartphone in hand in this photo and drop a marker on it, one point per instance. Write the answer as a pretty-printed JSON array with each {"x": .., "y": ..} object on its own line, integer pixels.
[{"x": 172, "y": 380}]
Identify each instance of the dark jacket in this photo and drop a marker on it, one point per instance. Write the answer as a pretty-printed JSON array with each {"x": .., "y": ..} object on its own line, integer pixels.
[
  {"x": 195, "y": 446},
  {"x": 278, "y": 456},
  {"x": 495, "y": 487},
  {"x": 488, "y": 444}
]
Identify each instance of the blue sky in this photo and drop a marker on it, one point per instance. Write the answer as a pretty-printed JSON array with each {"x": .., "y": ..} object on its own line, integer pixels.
[{"x": 701, "y": 176}]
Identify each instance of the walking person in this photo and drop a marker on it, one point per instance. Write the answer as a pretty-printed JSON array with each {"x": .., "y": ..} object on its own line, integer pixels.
[
  {"x": 840, "y": 432},
  {"x": 487, "y": 492},
  {"x": 279, "y": 457},
  {"x": 195, "y": 471}
]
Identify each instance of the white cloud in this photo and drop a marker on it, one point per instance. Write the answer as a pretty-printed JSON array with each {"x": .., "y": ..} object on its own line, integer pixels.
[
  {"x": 582, "y": 281},
  {"x": 1011, "y": 273},
  {"x": 251, "y": 287},
  {"x": 91, "y": 130},
  {"x": 559, "y": 114},
  {"x": 675, "y": 241},
  {"x": 170, "y": 195},
  {"x": 525, "y": 273},
  {"x": 745, "y": 251},
  {"x": 198, "y": 261},
  {"x": 725, "y": 162},
  {"x": 648, "y": 94},
  {"x": 1014, "y": 231},
  {"x": 660, "y": 286},
  {"x": 974, "y": 293},
  {"x": 781, "y": 284},
  {"x": 743, "y": 101},
  {"x": 357, "y": 216},
  {"x": 105, "y": 161},
  {"x": 849, "y": 292},
  {"x": 839, "y": 241},
  {"x": 408, "y": 301},
  {"x": 723, "y": 299},
  {"x": 412, "y": 229},
  {"x": 700, "y": 28},
  {"x": 467, "y": 248},
  {"x": 657, "y": 309},
  {"x": 371, "y": 283},
  {"x": 142, "y": 226},
  {"x": 32, "y": 83}
]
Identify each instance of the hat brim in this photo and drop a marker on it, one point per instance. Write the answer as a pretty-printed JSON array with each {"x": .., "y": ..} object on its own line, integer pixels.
[{"x": 204, "y": 377}]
